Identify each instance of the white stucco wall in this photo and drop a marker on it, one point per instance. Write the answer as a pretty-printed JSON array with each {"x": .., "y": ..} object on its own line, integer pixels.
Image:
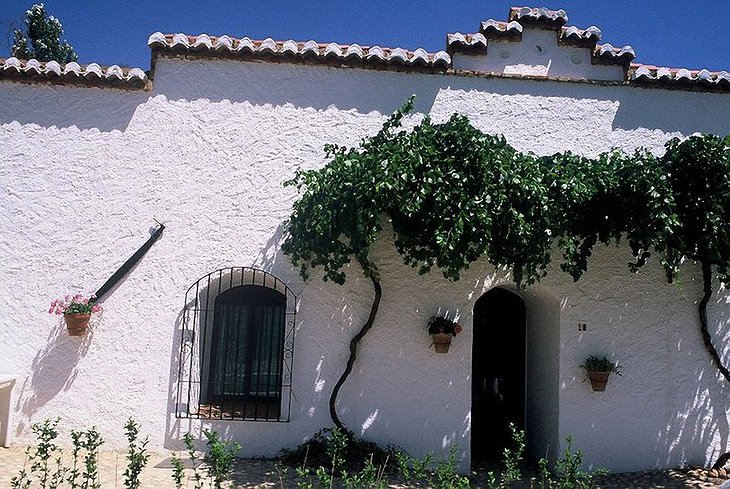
[
  {"x": 84, "y": 171},
  {"x": 538, "y": 53}
]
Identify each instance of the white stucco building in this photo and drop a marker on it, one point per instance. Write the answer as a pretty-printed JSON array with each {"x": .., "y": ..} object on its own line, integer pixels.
[{"x": 203, "y": 142}]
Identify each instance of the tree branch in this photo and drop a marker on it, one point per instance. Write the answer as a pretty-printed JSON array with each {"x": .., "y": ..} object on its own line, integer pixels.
[
  {"x": 354, "y": 342},
  {"x": 702, "y": 308}
]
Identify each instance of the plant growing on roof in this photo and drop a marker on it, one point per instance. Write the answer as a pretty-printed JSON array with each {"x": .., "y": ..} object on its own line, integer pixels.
[{"x": 454, "y": 194}]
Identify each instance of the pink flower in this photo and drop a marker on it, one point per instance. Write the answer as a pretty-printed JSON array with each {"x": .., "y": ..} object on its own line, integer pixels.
[
  {"x": 457, "y": 329},
  {"x": 96, "y": 308}
]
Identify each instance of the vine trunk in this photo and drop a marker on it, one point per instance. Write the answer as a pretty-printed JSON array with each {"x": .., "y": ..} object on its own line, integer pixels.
[
  {"x": 707, "y": 339},
  {"x": 354, "y": 342}
]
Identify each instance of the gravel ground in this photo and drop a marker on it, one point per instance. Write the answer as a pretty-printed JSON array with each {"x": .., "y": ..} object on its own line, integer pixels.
[{"x": 263, "y": 473}]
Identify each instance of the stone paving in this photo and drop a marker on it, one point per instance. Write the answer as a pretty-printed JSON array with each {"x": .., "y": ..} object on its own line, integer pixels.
[{"x": 263, "y": 473}]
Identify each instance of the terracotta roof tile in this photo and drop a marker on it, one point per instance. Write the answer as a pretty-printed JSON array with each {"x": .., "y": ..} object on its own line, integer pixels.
[
  {"x": 573, "y": 36},
  {"x": 374, "y": 57},
  {"x": 495, "y": 29},
  {"x": 289, "y": 50},
  {"x": 607, "y": 54},
  {"x": 649, "y": 75},
  {"x": 72, "y": 73},
  {"x": 540, "y": 17},
  {"x": 528, "y": 17}
]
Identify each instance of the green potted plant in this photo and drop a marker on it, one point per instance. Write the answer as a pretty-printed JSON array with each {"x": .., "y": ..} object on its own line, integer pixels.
[
  {"x": 76, "y": 311},
  {"x": 597, "y": 371},
  {"x": 442, "y": 330}
]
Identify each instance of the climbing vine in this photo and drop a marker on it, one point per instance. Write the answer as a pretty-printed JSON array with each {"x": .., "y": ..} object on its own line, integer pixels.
[{"x": 455, "y": 194}]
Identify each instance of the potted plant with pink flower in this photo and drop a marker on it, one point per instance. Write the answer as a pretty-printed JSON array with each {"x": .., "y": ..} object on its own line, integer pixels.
[
  {"x": 442, "y": 330},
  {"x": 77, "y": 310}
]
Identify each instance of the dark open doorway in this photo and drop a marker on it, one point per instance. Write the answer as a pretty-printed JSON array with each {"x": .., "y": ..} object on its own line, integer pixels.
[{"x": 498, "y": 373}]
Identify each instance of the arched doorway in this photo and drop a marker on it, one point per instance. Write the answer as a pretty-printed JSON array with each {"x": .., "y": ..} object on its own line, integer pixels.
[{"x": 498, "y": 372}]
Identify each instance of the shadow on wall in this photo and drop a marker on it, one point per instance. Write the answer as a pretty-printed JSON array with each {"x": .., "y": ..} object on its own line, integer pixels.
[
  {"x": 301, "y": 86},
  {"x": 670, "y": 110},
  {"x": 63, "y": 107},
  {"x": 702, "y": 420},
  {"x": 368, "y": 90},
  {"x": 53, "y": 370},
  {"x": 173, "y": 433},
  {"x": 189, "y": 365},
  {"x": 364, "y": 91}
]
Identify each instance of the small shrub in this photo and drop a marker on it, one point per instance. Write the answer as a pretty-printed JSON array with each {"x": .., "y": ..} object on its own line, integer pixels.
[
  {"x": 137, "y": 456},
  {"x": 512, "y": 458},
  {"x": 371, "y": 476},
  {"x": 569, "y": 473},
  {"x": 190, "y": 446},
  {"x": 445, "y": 475},
  {"x": 413, "y": 469},
  {"x": 74, "y": 473},
  {"x": 91, "y": 443},
  {"x": 317, "y": 452},
  {"x": 178, "y": 471},
  {"x": 281, "y": 472},
  {"x": 220, "y": 457},
  {"x": 41, "y": 457}
]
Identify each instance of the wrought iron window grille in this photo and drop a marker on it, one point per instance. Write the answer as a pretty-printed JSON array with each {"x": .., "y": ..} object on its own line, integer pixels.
[{"x": 237, "y": 347}]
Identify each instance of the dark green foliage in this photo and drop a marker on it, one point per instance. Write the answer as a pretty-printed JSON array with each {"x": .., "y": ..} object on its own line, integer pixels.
[
  {"x": 601, "y": 364},
  {"x": 455, "y": 194},
  {"x": 351, "y": 453},
  {"x": 42, "y": 38},
  {"x": 698, "y": 170},
  {"x": 335, "y": 458}
]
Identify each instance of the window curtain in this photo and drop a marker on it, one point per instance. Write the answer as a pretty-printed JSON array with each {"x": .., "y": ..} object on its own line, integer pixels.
[{"x": 249, "y": 346}]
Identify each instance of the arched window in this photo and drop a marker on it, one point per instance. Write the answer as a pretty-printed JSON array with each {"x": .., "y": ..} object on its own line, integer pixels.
[{"x": 237, "y": 346}]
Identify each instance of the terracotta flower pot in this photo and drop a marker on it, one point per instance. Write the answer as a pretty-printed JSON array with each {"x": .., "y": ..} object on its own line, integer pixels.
[
  {"x": 441, "y": 342},
  {"x": 598, "y": 380},
  {"x": 77, "y": 323}
]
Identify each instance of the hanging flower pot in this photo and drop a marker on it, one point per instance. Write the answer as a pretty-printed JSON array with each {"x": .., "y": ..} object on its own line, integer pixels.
[
  {"x": 598, "y": 371},
  {"x": 441, "y": 342},
  {"x": 442, "y": 330},
  {"x": 77, "y": 323},
  {"x": 598, "y": 380},
  {"x": 76, "y": 311}
]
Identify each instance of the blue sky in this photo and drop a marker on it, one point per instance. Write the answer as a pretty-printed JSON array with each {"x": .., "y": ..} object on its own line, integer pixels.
[{"x": 675, "y": 33}]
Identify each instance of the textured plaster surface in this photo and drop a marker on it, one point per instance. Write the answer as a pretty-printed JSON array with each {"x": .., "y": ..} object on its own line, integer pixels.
[{"x": 83, "y": 172}]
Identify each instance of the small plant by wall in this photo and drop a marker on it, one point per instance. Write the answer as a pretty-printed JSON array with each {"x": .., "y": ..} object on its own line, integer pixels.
[
  {"x": 137, "y": 456},
  {"x": 45, "y": 466}
]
